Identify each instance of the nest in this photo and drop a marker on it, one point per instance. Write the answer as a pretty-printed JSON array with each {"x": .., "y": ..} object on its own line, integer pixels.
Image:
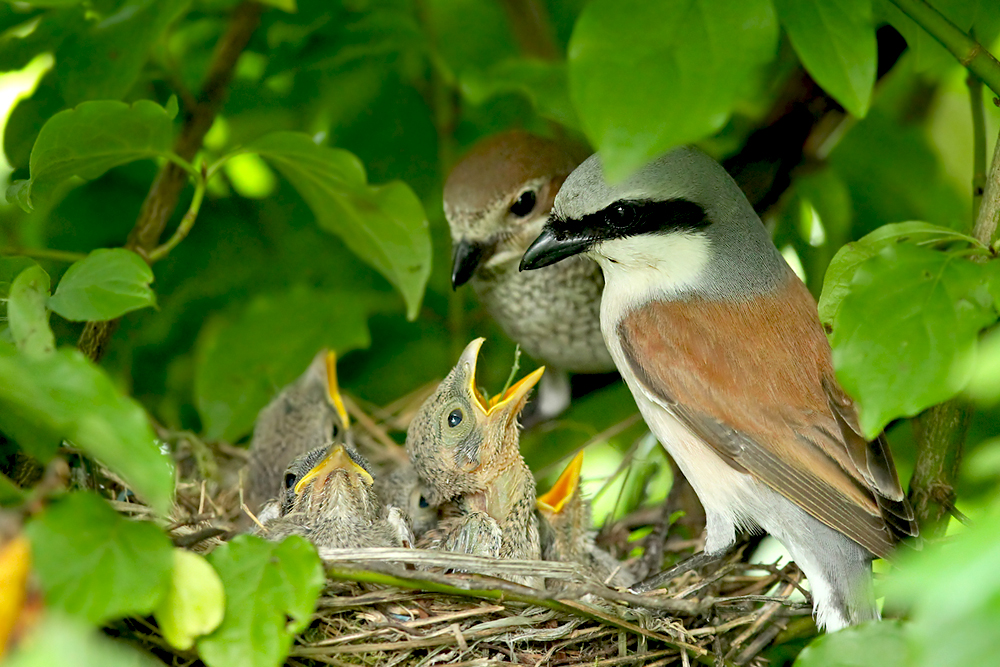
[{"x": 412, "y": 607}]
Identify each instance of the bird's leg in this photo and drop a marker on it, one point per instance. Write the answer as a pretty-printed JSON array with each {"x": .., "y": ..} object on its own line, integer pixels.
[{"x": 694, "y": 562}]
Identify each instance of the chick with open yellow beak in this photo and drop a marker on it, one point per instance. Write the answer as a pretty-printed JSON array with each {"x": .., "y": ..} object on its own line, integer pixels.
[
  {"x": 329, "y": 500},
  {"x": 564, "y": 520},
  {"x": 305, "y": 415},
  {"x": 464, "y": 448}
]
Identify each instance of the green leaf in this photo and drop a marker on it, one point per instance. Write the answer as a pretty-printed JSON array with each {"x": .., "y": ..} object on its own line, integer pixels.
[
  {"x": 244, "y": 360},
  {"x": 195, "y": 602},
  {"x": 104, "y": 285},
  {"x": 984, "y": 385},
  {"x": 543, "y": 82},
  {"x": 874, "y": 644},
  {"x": 10, "y": 493},
  {"x": 905, "y": 336},
  {"x": 965, "y": 14},
  {"x": 384, "y": 225},
  {"x": 27, "y": 314},
  {"x": 96, "y": 564},
  {"x": 648, "y": 76},
  {"x": 92, "y": 138},
  {"x": 271, "y": 592},
  {"x": 63, "y": 395},
  {"x": 284, "y": 5},
  {"x": 835, "y": 40},
  {"x": 840, "y": 273},
  {"x": 59, "y": 640}
]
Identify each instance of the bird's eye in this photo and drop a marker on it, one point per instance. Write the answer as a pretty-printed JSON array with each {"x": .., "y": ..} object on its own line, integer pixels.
[
  {"x": 621, "y": 214},
  {"x": 423, "y": 503},
  {"x": 334, "y": 431},
  {"x": 455, "y": 418},
  {"x": 289, "y": 480},
  {"x": 525, "y": 203}
]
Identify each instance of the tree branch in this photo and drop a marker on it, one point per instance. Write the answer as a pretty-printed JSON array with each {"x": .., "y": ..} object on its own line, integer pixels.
[
  {"x": 968, "y": 51},
  {"x": 161, "y": 201},
  {"x": 529, "y": 21}
]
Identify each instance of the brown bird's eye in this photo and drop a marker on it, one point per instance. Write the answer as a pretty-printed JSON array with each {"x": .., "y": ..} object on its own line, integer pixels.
[
  {"x": 525, "y": 204},
  {"x": 289, "y": 480},
  {"x": 455, "y": 418}
]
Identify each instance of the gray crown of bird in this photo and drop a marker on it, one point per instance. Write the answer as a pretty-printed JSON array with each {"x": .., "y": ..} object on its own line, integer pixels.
[
  {"x": 465, "y": 450},
  {"x": 496, "y": 200},
  {"x": 721, "y": 346},
  {"x": 565, "y": 531},
  {"x": 328, "y": 498},
  {"x": 304, "y": 415}
]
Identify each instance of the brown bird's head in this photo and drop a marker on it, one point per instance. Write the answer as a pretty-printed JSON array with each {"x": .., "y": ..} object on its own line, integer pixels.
[
  {"x": 565, "y": 516},
  {"x": 461, "y": 442},
  {"x": 497, "y": 198},
  {"x": 304, "y": 415},
  {"x": 330, "y": 482}
]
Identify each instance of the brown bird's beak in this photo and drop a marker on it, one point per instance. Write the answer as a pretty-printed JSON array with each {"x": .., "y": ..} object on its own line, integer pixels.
[
  {"x": 336, "y": 459},
  {"x": 563, "y": 490},
  {"x": 465, "y": 259},
  {"x": 512, "y": 400},
  {"x": 553, "y": 245},
  {"x": 334, "y": 391}
]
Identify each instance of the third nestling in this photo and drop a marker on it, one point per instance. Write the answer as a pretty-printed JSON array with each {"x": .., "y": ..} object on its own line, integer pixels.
[
  {"x": 465, "y": 450},
  {"x": 328, "y": 499},
  {"x": 566, "y": 536}
]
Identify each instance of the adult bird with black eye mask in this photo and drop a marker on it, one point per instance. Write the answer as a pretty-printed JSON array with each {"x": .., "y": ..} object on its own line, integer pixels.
[
  {"x": 496, "y": 200},
  {"x": 721, "y": 346},
  {"x": 464, "y": 448}
]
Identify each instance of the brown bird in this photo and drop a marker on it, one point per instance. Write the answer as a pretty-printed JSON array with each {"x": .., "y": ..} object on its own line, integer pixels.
[
  {"x": 465, "y": 449},
  {"x": 304, "y": 415},
  {"x": 329, "y": 500},
  {"x": 496, "y": 200},
  {"x": 722, "y": 348},
  {"x": 565, "y": 532}
]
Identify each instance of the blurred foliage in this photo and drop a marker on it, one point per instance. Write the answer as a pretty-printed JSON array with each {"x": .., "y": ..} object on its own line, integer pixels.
[{"x": 311, "y": 217}]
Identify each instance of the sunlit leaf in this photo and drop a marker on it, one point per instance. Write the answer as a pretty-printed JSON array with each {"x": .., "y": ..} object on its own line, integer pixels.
[
  {"x": 194, "y": 603},
  {"x": 648, "y": 76},
  {"x": 244, "y": 360},
  {"x": 384, "y": 225},
  {"x": 92, "y": 138},
  {"x": 59, "y": 640},
  {"x": 874, "y": 644},
  {"x": 905, "y": 336},
  {"x": 26, "y": 312},
  {"x": 96, "y": 564},
  {"x": 271, "y": 591},
  {"x": 64, "y": 396},
  {"x": 835, "y": 40},
  {"x": 104, "y": 285}
]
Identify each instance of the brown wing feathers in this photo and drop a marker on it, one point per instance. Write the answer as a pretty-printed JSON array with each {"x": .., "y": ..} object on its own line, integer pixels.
[{"x": 754, "y": 380}]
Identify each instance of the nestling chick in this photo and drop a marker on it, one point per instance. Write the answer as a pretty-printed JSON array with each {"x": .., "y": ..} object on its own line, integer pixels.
[
  {"x": 496, "y": 200},
  {"x": 329, "y": 500},
  {"x": 306, "y": 414},
  {"x": 402, "y": 488},
  {"x": 564, "y": 527},
  {"x": 465, "y": 449}
]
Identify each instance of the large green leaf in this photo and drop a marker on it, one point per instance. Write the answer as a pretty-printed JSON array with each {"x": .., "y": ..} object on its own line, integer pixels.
[
  {"x": 59, "y": 640},
  {"x": 543, "y": 82},
  {"x": 905, "y": 336},
  {"x": 875, "y": 644},
  {"x": 271, "y": 591},
  {"x": 840, "y": 273},
  {"x": 384, "y": 225},
  {"x": 96, "y": 564},
  {"x": 835, "y": 40},
  {"x": 26, "y": 312},
  {"x": 106, "y": 284},
  {"x": 92, "y": 138},
  {"x": 244, "y": 360},
  {"x": 63, "y": 395},
  {"x": 195, "y": 602},
  {"x": 648, "y": 76}
]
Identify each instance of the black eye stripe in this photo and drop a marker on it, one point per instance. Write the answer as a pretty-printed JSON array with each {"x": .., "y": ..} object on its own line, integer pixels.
[{"x": 628, "y": 217}]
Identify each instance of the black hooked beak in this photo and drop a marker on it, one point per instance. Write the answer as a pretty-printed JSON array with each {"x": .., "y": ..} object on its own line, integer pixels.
[
  {"x": 466, "y": 257},
  {"x": 552, "y": 246}
]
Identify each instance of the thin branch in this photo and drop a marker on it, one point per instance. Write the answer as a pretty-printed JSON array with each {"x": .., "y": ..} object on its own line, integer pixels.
[
  {"x": 43, "y": 253},
  {"x": 529, "y": 21},
  {"x": 989, "y": 208},
  {"x": 968, "y": 51},
  {"x": 978, "y": 144},
  {"x": 187, "y": 222}
]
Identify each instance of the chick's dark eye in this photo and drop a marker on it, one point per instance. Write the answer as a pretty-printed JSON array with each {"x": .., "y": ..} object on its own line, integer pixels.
[
  {"x": 289, "y": 480},
  {"x": 525, "y": 203},
  {"x": 455, "y": 418},
  {"x": 423, "y": 503},
  {"x": 334, "y": 431}
]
